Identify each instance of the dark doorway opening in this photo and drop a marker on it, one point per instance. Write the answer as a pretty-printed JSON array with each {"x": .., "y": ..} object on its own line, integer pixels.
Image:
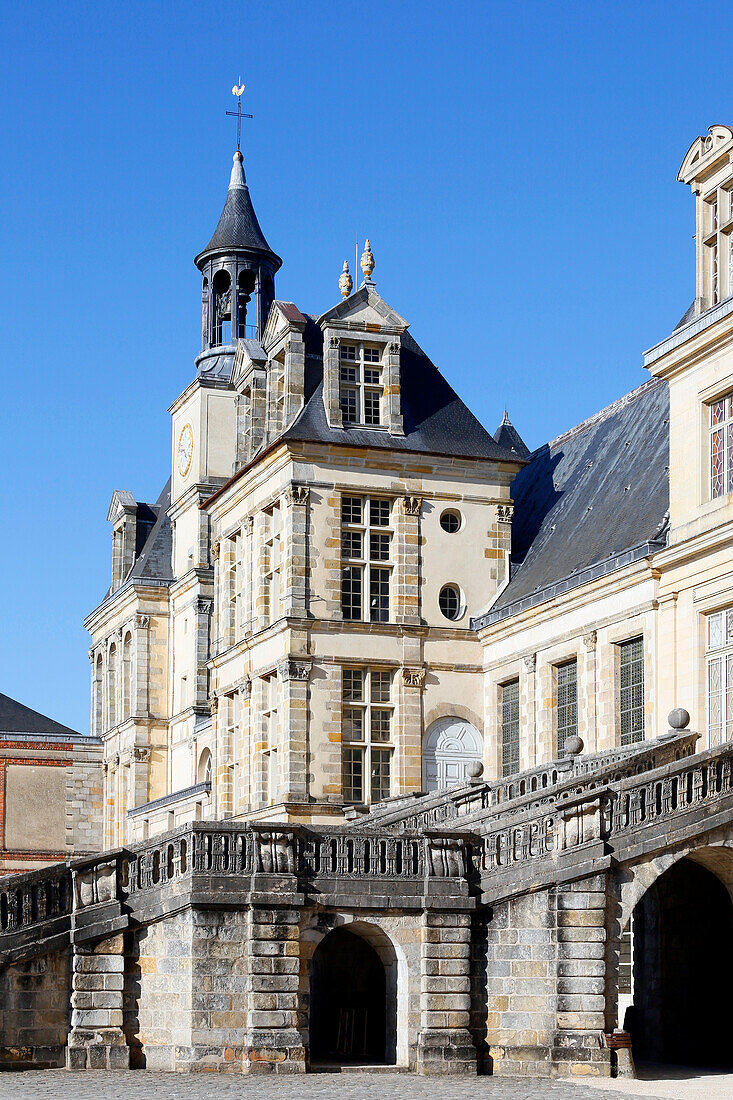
[
  {"x": 352, "y": 1007},
  {"x": 682, "y": 1010}
]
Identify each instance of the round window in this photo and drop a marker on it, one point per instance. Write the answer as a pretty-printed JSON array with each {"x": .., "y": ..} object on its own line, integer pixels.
[
  {"x": 450, "y": 521},
  {"x": 449, "y": 601}
]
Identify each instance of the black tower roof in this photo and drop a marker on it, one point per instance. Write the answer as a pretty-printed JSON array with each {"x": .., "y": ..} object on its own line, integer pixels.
[{"x": 238, "y": 229}]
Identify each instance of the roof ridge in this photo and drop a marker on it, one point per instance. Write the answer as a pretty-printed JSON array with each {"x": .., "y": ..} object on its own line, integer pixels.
[{"x": 600, "y": 416}]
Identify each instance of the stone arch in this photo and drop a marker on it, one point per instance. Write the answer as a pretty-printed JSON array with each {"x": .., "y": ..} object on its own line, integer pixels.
[
  {"x": 396, "y": 974},
  {"x": 450, "y": 745},
  {"x": 204, "y": 768},
  {"x": 453, "y": 710},
  {"x": 673, "y": 914}
]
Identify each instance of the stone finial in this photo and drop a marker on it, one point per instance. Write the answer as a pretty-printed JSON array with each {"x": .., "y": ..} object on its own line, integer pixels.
[
  {"x": 475, "y": 771},
  {"x": 573, "y": 745},
  {"x": 678, "y": 719},
  {"x": 346, "y": 283},
  {"x": 367, "y": 261}
]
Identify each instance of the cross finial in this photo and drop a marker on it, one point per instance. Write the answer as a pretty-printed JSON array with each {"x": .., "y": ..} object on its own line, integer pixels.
[{"x": 238, "y": 91}]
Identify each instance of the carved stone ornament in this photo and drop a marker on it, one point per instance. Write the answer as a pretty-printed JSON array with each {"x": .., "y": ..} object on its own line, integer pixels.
[
  {"x": 590, "y": 639},
  {"x": 294, "y": 670},
  {"x": 413, "y": 677},
  {"x": 142, "y": 622},
  {"x": 367, "y": 261},
  {"x": 394, "y": 347},
  {"x": 411, "y": 505},
  {"x": 335, "y": 341},
  {"x": 91, "y": 655},
  {"x": 141, "y": 754},
  {"x": 504, "y": 513},
  {"x": 346, "y": 283},
  {"x": 297, "y": 494},
  {"x": 204, "y": 606},
  {"x": 530, "y": 662},
  {"x": 214, "y": 551},
  {"x": 213, "y": 703},
  {"x": 244, "y": 687}
]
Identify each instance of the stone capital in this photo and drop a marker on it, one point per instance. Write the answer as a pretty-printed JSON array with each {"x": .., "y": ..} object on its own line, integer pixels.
[
  {"x": 411, "y": 505},
  {"x": 204, "y": 605},
  {"x": 142, "y": 621},
  {"x": 590, "y": 639},
  {"x": 294, "y": 669},
  {"x": 414, "y": 677},
  {"x": 530, "y": 662},
  {"x": 141, "y": 754},
  {"x": 297, "y": 494},
  {"x": 214, "y": 551},
  {"x": 244, "y": 687},
  {"x": 505, "y": 513}
]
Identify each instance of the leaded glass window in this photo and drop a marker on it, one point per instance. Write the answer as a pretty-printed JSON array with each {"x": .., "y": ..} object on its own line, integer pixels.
[
  {"x": 366, "y": 551},
  {"x": 721, "y": 447},
  {"x": 719, "y": 669},
  {"x": 366, "y": 722},
  {"x": 510, "y": 728},
  {"x": 567, "y": 703},
  {"x": 631, "y": 690}
]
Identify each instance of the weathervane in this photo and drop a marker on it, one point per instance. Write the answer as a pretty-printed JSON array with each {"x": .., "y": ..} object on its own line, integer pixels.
[{"x": 238, "y": 90}]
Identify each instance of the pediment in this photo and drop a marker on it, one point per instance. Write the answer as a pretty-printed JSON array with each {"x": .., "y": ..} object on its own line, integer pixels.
[
  {"x": 704, "y": 151},
  {"x": 362, "y": 309},
  {"x": 283, "y": 317},
  {"x": 122, "y": 502},
  {"x": 249, "y": 355}
]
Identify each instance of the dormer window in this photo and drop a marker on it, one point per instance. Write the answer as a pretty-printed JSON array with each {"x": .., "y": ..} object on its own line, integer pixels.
[{"x": 360, "y": 381}]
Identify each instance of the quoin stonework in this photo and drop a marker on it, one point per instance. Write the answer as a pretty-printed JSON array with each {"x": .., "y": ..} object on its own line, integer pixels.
[{"x": 417, "y": 746}]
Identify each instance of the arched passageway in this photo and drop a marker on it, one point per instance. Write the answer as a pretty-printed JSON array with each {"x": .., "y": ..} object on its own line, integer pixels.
[
  {"x": 353, "y": 1000},
  {"x": 681, "y": 965}
]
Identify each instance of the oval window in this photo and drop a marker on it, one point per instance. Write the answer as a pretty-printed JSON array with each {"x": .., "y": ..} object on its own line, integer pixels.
[
  {"x": 450, "y": 521},
  {"x": 449, "y": 601}
]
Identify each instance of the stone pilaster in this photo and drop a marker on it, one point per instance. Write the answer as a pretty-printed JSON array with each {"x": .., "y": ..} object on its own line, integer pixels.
[
  {"x": 410, "y": 683},
  {"x": 406, "y": 580},
  {"x": 273, "y": 1043},
  {"x": 295, "y": 552},
  {"x": 294, "y": 376},
  {"x": 392, "y": 400},
  {"x": 331, "y": 388},
  {"x": 203, "y": 610},
  {"x": 294, "y": 673},
  {"x": 528, "y": 717},
  {"x": 444, "y": 1043},
  {"x": 590, "y": 641},
  {"x": 581, "y": 976},
  {"x": 96, "y": 1039},
  {"x": 331, "y": 596}
]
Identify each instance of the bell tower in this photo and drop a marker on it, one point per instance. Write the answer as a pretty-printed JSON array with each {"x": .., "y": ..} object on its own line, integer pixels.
[{"x": 238, "y": 268}]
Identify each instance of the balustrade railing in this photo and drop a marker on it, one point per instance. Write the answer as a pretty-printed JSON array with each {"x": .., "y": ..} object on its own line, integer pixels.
[{"x": 35, "y": 896}]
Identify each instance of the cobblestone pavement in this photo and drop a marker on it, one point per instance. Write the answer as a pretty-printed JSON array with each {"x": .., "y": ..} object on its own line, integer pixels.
[{"x": 143, "y": 1085}]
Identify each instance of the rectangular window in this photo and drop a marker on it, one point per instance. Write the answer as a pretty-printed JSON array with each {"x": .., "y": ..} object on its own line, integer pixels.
[
  {"x": 721, "y": 446},
  {"x": 366, "y": 722},
  {"x": 366, "y": 551},
  {"x": 719, "y": 670},
  {"x": 360, "y": 384},
  {"x": 269, "y": 774},
  {"x": 567, "y": 704},
  {"x": 273, "y": 563},
  {"x": 631, "y": 690},
  {"x": 510, "y": 728}
]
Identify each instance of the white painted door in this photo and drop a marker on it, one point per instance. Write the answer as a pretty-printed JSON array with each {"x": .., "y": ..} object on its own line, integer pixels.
[{"x": 450, "y": 745}]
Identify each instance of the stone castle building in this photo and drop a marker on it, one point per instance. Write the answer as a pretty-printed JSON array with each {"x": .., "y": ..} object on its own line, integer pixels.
[{"x": 388, "y": 776}]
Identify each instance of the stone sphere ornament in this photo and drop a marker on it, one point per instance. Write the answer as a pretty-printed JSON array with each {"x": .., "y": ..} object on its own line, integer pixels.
[
  {"x": 678, "y": 718},
  {"x": 475, "y": 770},
  {"x": 574, "y": 745}
]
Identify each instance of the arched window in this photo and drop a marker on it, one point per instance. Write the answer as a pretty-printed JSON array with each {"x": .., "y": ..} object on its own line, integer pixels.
[
  {"x": 112, "y": 686},
  {"x": 222, "y": 309},
  {"x": 245, "y": 288},
  {"x": 127, "y": 677},
  {"x": 98, "y": 696},
  {"x": 204, "y": 772}
]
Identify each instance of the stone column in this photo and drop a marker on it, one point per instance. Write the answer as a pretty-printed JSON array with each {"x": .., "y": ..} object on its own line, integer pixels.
[
  {"x": 444, "y": 1043},
  {"x": 581, "y": 976},
  {"x": 295, "y": 552},
  {"x": 294, "y": 673},
  {"x": 528, "y": 721},
  {"x": 409, "y": 732},
  {"x": 202, "y": 625},
  {"x": 406, "y": 581}
]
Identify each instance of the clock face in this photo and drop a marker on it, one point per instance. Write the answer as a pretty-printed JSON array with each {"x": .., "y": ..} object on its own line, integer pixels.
[{"x": 185, "y": 449}]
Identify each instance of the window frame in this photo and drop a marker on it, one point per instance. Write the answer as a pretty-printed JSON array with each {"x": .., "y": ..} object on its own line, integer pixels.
[
  {"x": 565, "y": 729},
  {"x": 361, "y": 388},
  {"x": 638, "y": 734},
  {"x": 510, "y": 765},
  {"x": 368, "y": 576},
  {"x": 720, "y": 654},
  {"x": 367, "y": 748},
  {"x": 723, "y": 427}
]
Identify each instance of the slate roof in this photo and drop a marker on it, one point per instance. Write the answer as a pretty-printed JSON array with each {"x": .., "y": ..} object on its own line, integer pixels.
[
  {"x": 155, "y": 559},
  {"x": 506, "y": 435},
  {"x": 590, "y": 502},
  {"x": 238, "y": 228},
  {"x": 16, "y": 718},
  {"x": 435, "y": 419}
]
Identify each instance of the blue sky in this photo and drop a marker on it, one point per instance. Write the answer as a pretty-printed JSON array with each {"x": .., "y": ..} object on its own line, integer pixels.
[{"x": 514, "y": 166}]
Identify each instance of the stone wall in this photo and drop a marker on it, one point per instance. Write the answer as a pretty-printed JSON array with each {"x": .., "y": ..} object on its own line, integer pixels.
[{"x": 34, "y": 1022}]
